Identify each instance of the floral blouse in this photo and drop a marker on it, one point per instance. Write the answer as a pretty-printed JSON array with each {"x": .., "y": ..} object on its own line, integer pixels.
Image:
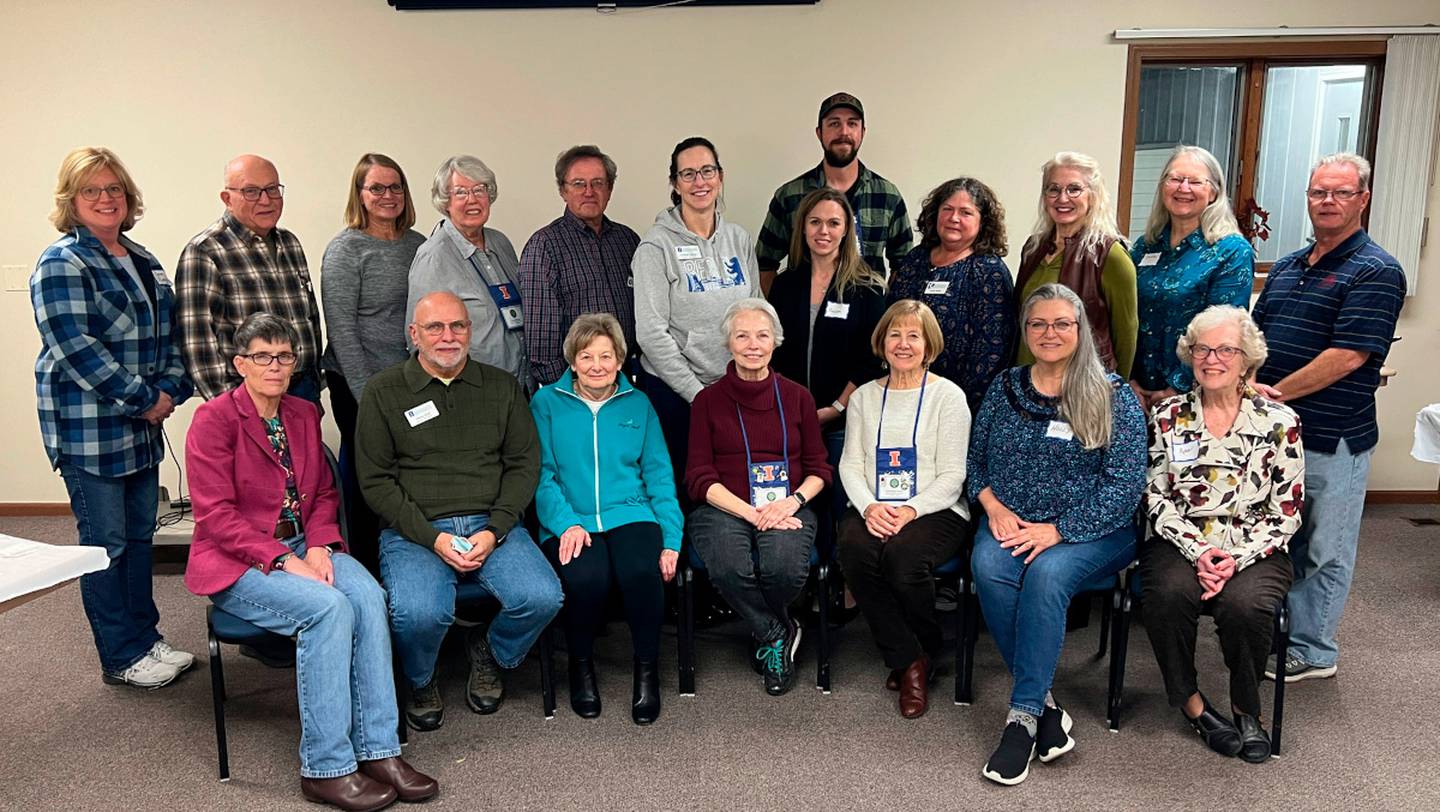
[
  {"x": 290, "y": 506},
  {"x": 1241, "y": 493}
]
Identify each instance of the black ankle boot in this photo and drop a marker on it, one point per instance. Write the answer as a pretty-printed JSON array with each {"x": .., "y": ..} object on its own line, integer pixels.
[
  {"x": 645, "y": 698},
  {"x": 584, "y": 696}
]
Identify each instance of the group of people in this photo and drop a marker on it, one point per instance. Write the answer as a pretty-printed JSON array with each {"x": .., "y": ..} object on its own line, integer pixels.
[{"x": 631, "y": 397}]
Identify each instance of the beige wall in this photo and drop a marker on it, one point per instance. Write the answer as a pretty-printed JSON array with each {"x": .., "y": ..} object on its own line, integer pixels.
[{"x": 990, "y": 89}]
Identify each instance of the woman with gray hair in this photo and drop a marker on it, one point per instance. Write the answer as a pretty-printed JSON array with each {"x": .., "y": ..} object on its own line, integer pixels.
[
  {"x": 1191, "y": 256},
  {"x": 476, "y": 263},
  {"x": 1057, "y": 461},
  {"x": 607, "y": 507},
  {"x": 1226, "y": 486},
  {"x": 756, "y": 461}
]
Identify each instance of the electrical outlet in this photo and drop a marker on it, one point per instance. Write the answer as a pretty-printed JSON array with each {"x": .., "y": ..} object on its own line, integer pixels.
[{"x": 17, "y": 277}]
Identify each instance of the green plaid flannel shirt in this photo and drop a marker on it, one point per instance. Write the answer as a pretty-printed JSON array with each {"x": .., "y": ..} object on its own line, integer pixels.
[{"x": 884, "y": 225}]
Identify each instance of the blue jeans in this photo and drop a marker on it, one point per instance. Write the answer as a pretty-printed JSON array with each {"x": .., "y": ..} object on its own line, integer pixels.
[
  {"x": 1029, "y": 602},
  {"x": 1324, "y": 551},
  {"x": 343, "y": 679},
  {"x": 421, "y": 587},
  {"x": 117, "y": 514}
]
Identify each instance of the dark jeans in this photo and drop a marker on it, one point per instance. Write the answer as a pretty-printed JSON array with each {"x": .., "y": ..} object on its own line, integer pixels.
[
  {"x": 117, "y": 514},
  {"x": 674, "y": 414},
  {"x": 894, "y": 581},
  {"x": 758, "y": 573},
  {"x": 830, "y": 507},
  {"x": 306, "y": 384},
  {"x": 364, "y": 525},
  {"x": 1244, "y": 620},
  {"x": 628, "y": 557}
]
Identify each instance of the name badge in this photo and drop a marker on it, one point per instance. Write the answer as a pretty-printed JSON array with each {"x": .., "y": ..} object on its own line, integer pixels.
[
  {"x": 423, "y": 413},
  {"x": 687, "y": 252},
  {"x": 769, "y": 482},
  {"x": 895, "y": 473},
  {"x": 1150, "y": 259},
  {"x": 1060, "y": 430},
  {"x": 507, "y": 301},
  {"x": 937, "y": 287},
  {"x": 1185, "y": 452},
  {"x": 837, "y": 310}
]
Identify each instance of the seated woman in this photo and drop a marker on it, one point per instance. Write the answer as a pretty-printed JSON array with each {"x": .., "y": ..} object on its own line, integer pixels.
[
  {"x": 607, "y": 507},
  {"x": 1227, "y": 476},
  {"x": 904, "y": 471},
  {"x": 1057, "y": 460},
  {"x": 753, "y": 436},
  {"x": 267, "y": 549}
]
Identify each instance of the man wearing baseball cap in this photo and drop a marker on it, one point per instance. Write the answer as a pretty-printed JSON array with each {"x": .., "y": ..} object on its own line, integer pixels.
[{"x": 882, "y": 225}]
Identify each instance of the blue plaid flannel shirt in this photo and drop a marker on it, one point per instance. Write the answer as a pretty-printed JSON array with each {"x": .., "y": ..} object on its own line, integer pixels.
[{"x": 105, "y": 355}]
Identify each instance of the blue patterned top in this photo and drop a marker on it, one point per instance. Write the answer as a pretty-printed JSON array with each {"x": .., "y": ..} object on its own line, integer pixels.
[
  {"x": 1085, "y": 494},
  {"x": 1181, "y": 282},
  {"x": 976, "y": 310}
]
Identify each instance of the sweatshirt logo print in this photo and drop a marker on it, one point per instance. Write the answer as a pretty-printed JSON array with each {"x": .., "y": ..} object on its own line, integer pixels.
[{"x": 704, "y": 274}]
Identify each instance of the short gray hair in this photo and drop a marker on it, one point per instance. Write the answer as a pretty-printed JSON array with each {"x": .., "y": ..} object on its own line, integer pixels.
[
  {"x": 266, "y": 327},
  {"x": 1362, "y": 166},
  {"x": 1252, "y": 341},
  {"x": 468, "y": 166},
  {"x": 753, "y": 305},
  {"x": 587, "y": 328}
]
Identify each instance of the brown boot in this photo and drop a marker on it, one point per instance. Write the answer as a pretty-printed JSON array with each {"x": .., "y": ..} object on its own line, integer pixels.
[
  {"x": 355, "y": 792},
  {"x": 410, "y": 784},
  {"x": 915, "y": 688}
]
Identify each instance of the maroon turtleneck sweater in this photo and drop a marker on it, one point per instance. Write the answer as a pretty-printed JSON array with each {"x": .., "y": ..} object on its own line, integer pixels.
[{"x": 717, "y": 449}]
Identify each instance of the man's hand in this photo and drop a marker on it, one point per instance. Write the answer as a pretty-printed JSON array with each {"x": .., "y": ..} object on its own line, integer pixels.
[
  {"x": 482, "y": 544},
  {"x": 449, "y": 555},
  {"x": 163, "y": 408}
]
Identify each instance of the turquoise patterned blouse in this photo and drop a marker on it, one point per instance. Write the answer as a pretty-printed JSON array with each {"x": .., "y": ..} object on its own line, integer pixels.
[{"x": 1174, "y": 285}]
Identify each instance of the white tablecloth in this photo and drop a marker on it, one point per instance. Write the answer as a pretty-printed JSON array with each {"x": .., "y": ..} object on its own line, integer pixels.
[
  {"x": 30, "y": 566},
  {"x": 1427, "y": 434}
]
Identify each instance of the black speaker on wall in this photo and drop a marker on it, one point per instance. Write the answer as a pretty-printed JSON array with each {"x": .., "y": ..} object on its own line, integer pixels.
[{"x": 460, "y": 5}]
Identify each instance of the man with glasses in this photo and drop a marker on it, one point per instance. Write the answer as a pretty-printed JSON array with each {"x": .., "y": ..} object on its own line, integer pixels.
[
  {"x": 242, "y": 263},
  {"x": 881, "y": 223},
  {"x": 447, "y": 454},
  {"x": 1328, "y": 312},
  {"x": 579, "y": 263}
]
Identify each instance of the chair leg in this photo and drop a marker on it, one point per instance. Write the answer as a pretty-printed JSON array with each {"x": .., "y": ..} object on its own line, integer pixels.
[
  {"x": 217, "y": 695},
  {"x": 1282, "y": 649},
  {"x": 1106, "y": 611},
  {"x": 1121, "y": 633},
  {"x": 402, "y": 695},
  {"x": 686, "y": 631},
  {"x": 547, "y": 673},
  {"x": 968, "y": 621},
  {"x": 822, "y": 656}
]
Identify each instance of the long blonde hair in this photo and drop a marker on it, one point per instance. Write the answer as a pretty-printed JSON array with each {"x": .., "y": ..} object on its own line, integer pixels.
[{"x": 1099, "y": 222}]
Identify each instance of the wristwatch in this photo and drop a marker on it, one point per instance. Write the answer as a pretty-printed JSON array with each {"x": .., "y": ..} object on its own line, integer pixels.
[
  {"x": 838, "y": 406},
  {"x": 800, "y": 497}
]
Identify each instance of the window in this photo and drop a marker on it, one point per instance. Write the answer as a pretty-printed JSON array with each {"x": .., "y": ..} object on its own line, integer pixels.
[{"x": 1266, "y": 110}]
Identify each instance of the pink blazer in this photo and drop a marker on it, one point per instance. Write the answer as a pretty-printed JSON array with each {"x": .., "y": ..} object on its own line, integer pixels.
[{"x": 237, "y": 485}]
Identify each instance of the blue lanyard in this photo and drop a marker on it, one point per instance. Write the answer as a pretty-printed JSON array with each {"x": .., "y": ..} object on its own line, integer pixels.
[
  {"x": 784, "y": 430},
  {"x": 880, "y": 423}
]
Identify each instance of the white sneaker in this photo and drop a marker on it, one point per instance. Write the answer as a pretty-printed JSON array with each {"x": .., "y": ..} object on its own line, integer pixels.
[
  {"x": 168, "y": 654},
  {"x": 148, "y": 672}
]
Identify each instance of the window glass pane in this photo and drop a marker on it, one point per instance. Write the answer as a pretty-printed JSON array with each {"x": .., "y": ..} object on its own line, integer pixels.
[
  {"x": 1181, "y": 104},
  {"x": 1309, "y": 111}
]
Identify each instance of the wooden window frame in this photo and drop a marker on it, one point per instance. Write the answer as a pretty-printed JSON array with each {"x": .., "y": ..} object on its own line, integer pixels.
[{"x": 1255, "y": 57}]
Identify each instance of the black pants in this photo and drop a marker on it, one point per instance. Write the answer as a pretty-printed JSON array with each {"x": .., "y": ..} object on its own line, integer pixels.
[
  {"x": 894, "y": 581},
  {"x": 674, "y": 414},
  {"x": 1244, "y": 614},
  {"x": 628, "y": 557},
  {"x": 364, "y": 525}
]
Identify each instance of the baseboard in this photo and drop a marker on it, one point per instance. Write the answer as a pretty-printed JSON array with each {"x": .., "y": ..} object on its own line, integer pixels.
[
  {"x": 34, "y": 508},
  {"x": 1402, "y": 497}
]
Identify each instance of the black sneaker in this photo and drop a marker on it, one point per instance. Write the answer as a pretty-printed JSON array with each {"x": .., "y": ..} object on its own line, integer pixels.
[
  {"x": 1010, "y": 763},
  {"x": 792, "y": 644},
  {"x": 1052, "y": 736},
  {"x": 1297, "y": 669},
  {"x": 485, "y": 688},
  {"x": 425, "y": 710},
  {"x": 779, "y": 676}
]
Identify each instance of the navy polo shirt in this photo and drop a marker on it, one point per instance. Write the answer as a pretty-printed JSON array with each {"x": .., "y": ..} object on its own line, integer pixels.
[{"x": 1350, "y": 299}]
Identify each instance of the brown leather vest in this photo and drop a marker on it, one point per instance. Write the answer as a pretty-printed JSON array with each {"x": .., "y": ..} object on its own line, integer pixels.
[{"x": 1080, "y": 272}]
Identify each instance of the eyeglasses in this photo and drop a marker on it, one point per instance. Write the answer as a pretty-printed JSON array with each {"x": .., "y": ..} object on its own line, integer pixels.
[
  {"x": 379, "y": 189},
  {"x": 477, "y": 191},
  {"x": 274, "y": 191},
  {"x": 92, "y": 193},
  {"x": 265, "y": 359},
  {"x": 435, "y": 329},
  {"x": 1060, "y": 326},
  {"x": 1340, "y": 195},
  {"x": 1176, "y": 181},
  {"x": 1225, "y": 353},
  {"x": 598, "y": 184},
  {"x": 1055, "y": 191},
  {"x": 707, "y": 172}
]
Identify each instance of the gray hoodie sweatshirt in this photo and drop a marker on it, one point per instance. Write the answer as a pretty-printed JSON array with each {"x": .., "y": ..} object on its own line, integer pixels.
[{"x": 683, "y": 284}]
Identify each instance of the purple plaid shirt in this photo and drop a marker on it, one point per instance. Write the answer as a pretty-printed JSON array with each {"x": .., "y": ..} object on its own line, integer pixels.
[{"x": 567, "y": 270}]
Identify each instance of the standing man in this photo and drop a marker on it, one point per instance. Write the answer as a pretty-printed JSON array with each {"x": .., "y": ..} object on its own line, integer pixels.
[
  {"x": 881, "y": 223},
  {"x": 447, "y": 454},
  {"x": 580, "y": 263},
  {"x": 1328, "y": 312},
  {"x": 244, "y": 262}
]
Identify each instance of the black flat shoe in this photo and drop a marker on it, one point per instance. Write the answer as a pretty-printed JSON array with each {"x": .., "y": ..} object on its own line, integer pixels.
[
  {"x": 584, "y": 696},
  {"x": 1216, "y": 730},
  {"x": 645, "y": 696},
  {"x": 1254, "y": 741}
]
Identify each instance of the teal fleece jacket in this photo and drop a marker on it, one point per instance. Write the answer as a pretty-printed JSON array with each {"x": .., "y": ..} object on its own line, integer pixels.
[{"x": 606, "y": 469}]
